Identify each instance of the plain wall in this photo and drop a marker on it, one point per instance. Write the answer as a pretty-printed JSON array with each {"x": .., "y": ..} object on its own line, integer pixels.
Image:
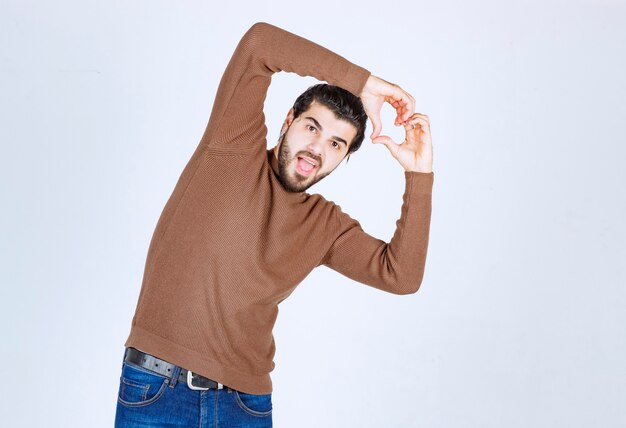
[{"x": 520, "y": 319}]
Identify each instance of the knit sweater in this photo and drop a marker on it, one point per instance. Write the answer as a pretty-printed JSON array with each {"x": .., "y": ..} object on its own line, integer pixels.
[{"x": 231, "y": 243}]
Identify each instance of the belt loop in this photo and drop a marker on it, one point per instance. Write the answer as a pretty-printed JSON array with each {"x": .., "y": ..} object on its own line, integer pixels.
[{"x": 175, "y": 376}]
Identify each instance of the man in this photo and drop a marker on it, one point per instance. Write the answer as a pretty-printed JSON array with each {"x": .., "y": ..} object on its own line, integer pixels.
[{"x": 239, "y": 233}]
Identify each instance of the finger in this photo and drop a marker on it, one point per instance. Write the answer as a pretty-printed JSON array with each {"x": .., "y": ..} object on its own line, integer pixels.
[
  {"x": 403, "y": 114},
  {"x": 411, "y": 129},
  {"x": 418, "y": 117},
  {"x": 403, "y": 99},
  {"x": 402, "y": 111},
  {"x": 409, "y": 105},
  {"x": 410, "y": 125},
  {"x": 383, "y": 139},
  {"x": 399, "y": 116},
  {"x": 422, "y": 115},
  {"x": 418, "y": 128},
  {"x": 407, "y": 111},
  {"x": 414, "y": 128},
  {"x": 412, "y": 103},
  {"x": 375, "y": 118},
  {"x": 423, "y": 122},
  {"x": 387, "y": 142},
  {"x": 404, "y": 106}
]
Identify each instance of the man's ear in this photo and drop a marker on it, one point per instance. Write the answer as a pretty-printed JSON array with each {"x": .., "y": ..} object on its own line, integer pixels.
[{"x": 287, "y": 121}]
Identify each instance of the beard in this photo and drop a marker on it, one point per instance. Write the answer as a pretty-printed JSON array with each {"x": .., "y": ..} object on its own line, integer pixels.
[{"x": 294, "y": 182}]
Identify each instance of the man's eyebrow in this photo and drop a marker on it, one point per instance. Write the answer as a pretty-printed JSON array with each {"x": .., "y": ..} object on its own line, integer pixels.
[{"x": 341, "y": 140}]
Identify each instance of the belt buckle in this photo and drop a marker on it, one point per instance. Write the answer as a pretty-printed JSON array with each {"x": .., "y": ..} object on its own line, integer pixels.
[{"x": 198, "y": 388}]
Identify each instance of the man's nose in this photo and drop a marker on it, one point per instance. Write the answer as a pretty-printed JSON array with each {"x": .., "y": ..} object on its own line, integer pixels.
[{"x": 315, "y": 148}]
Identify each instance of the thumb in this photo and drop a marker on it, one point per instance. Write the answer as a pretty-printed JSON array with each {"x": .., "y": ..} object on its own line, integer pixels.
[
  {"x": 377, "y": 126},
  {"x": 387, "y": 142}
]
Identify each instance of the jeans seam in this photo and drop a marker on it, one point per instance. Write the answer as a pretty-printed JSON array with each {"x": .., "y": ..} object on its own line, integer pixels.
[
  {"x": 129, "y": 382},
  {"x": 248, "y": 410},
  {"x": 143, "y": 403}
]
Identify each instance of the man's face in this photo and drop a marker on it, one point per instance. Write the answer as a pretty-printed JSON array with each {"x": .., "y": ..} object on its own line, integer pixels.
[{"x": 311, "y": 146}]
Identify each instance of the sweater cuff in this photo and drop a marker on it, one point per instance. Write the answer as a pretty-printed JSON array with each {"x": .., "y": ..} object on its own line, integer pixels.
[
  {"x": 355, "y": 79},
  {"x": 420, "y": 182}
]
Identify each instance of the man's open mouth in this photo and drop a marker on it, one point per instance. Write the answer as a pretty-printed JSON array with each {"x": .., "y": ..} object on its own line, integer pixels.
[{"x": 305, "y": 166}]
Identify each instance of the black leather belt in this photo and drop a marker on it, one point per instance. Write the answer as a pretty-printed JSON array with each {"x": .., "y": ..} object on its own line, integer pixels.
[{"x": 157, "y": 365}]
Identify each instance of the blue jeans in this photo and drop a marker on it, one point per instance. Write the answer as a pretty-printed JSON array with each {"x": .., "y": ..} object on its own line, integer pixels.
[{"x": 149, "y": 399}]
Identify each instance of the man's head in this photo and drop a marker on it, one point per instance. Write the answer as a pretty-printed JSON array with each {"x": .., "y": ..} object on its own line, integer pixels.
[{"x": 325, "y": 125}]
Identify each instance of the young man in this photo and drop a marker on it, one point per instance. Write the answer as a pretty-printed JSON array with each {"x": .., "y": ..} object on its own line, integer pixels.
[{"x": 239, "y": 233}]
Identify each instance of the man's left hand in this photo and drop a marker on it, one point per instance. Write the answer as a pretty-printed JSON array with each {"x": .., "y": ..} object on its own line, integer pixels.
[{"x": 415, "y": 153}]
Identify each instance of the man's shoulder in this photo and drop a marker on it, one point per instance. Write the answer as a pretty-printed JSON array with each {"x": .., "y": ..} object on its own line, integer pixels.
[{"x": 339, "y": 217}]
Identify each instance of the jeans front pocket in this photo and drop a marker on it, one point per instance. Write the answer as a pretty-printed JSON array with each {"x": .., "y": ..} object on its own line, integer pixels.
[
  {"x": 254, "y": 404},
  {"x": 139, "y": 386}
]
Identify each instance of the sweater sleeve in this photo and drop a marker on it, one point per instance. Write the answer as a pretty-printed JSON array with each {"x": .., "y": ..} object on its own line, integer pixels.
[
  {"x": 398, "y": 266},
  {"x": 237, "y": 115}
]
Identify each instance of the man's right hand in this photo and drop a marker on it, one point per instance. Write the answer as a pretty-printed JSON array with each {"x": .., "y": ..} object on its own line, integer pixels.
[{"x": 376, "y": 92}]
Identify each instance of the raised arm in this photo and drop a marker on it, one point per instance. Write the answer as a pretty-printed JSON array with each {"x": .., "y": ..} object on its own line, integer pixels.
[
  {"x": 397, "y": 266},
  {"x": 237, "y": 115}
]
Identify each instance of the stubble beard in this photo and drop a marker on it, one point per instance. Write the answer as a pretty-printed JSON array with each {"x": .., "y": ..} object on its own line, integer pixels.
[{"x": 295, "y": 182}]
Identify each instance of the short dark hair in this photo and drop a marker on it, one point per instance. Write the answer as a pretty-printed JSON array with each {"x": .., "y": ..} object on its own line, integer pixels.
[{"x": 344, "y": 104}]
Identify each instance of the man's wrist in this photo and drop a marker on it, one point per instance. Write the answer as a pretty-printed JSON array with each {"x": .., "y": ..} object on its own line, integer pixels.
[{"x": 424, "y": 171}]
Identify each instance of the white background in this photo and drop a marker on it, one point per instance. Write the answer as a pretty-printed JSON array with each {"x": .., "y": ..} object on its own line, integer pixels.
[{"x": 520, "y": 319}]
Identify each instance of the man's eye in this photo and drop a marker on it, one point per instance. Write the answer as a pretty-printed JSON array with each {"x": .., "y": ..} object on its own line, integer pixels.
[
  {"x": 310, "y": 126},
  {"x": 337, "y": 145}
]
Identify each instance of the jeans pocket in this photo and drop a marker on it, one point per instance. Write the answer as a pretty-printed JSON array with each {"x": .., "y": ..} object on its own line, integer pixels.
[
  {"x": 139, "y": 386},
  {"x": 254, "y": 404}
]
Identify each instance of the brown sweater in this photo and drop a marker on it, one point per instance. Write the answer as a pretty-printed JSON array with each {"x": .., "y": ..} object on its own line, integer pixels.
[{"x": 232, "y": 243}]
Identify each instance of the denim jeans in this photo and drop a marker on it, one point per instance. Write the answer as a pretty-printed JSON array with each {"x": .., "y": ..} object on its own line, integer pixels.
[{"x": 149, "y": 399}]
